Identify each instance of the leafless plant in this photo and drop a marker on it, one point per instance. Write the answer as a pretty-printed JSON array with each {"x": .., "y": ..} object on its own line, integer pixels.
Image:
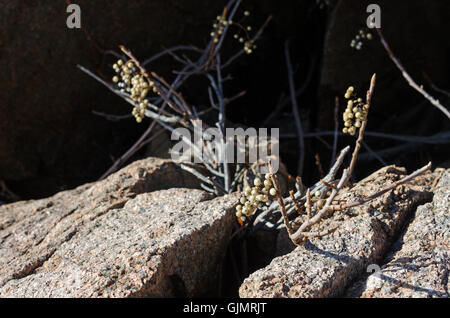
[
  {"x": 322, "y": 202},
  {"x": 170, "y": 110}
]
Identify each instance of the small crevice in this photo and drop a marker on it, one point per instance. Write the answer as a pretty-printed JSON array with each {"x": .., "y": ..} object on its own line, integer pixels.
[
  {"x": 31, "y": 268},
  {"x": 395, "y": 245}
]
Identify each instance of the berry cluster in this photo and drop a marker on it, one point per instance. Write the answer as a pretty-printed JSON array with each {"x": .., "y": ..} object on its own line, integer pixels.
[
  {"x": 222, "y": 22},
  {"x": 249, "y": 44},
  {"x": 130, "y": 80},
  {"x": 255, "y": 197},
  {"x": 218, "y": 26},
  {"x": 357, "y": 41},
  {"x": 355, "y": 113}
]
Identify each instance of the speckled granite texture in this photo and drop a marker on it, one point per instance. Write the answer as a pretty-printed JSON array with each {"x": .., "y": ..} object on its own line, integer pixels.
[
  {"x": 116, "y": 238},
  {"x": 419, "y": 264},
  {"x": 324, "y": 267}
]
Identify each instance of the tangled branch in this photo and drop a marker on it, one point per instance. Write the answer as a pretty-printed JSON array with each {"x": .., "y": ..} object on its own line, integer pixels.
[
  {"x": 321, "y": 202},
  {"x": 170, "y": 110}
]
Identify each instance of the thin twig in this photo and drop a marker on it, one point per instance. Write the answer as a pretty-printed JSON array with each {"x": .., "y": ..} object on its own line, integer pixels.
[
  {"x": 112, "y": 117},
  {"x": 298, "y": 122},
  {"x": 129, "y": 152},
  {"x": 363, "y": 125},
  {"x": 280, "y": 199},
  {"x": 261, "y": 219},
  {"x": 433, "y": 86},
  {"x": 297, "y": 206},
  {"x": 308, "y": 203},
  {"x": 374, "y": 154},
  {"x": 389, "y": 152},
  {"x": 409, "y": 79},
  {"x": 201, "y": 177},
  {"x": 387, "y": 188},
  {"x": 336, "y": 128},
  {"x": 439, "y": 138},
  {"x": 285, "y": 100},
  {"x": 242, "y": 51},
  {"x": 319, "y": 215},
  {"x": 319, "y": 164},
  {"x": 172, "y": 49}
]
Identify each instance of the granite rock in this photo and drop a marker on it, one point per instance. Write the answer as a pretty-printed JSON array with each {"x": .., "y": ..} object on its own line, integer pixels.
[
  {"x": 119, "y": 237},
  {"x": 325, "y": 266},
  {"x": 419, "y": 264}
]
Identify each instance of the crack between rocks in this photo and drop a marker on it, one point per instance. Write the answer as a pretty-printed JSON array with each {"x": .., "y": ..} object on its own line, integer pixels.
[
  {"x": 445, "y": 277},
  {"x": 410, "y": 216}
]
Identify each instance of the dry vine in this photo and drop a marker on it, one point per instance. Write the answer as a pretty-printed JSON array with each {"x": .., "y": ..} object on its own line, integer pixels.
[
  {"x": 323, "y": 201},
  {"x": 169, "y": 109}
]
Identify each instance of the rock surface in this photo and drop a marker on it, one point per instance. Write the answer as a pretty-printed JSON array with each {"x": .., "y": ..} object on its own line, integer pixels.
[
  {"x": 324, "y": 267},
  {"x": 419, "y": 265},
  {"x": 115, "y": 238}
]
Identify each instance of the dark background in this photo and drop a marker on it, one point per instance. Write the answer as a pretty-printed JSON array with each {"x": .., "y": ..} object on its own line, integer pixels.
[{"x": 51, "y": 141}]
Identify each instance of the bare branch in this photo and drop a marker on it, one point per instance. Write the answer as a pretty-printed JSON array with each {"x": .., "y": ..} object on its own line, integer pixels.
[
  {"x": 382, "y": 191},
  {"x": 363, "y": 125},
  {"x": 409, "y": 79},
  {"x": 298, "y": 122},
  {"x": 297, "y": 236},
  {"x": 336, "y": 128},
  {"x": 297, "y": 206},
  {"x": 280, "y": 199}
]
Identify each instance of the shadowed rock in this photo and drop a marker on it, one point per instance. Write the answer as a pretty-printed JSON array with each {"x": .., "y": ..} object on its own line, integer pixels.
[
  {"x": 323, "y": 267},
  {"x": 113, "y": 238},
  {"x": 419, "y": 265}
]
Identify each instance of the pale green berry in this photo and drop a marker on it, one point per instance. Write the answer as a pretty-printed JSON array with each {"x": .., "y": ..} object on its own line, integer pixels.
[{"x": 272, "y": 191}]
